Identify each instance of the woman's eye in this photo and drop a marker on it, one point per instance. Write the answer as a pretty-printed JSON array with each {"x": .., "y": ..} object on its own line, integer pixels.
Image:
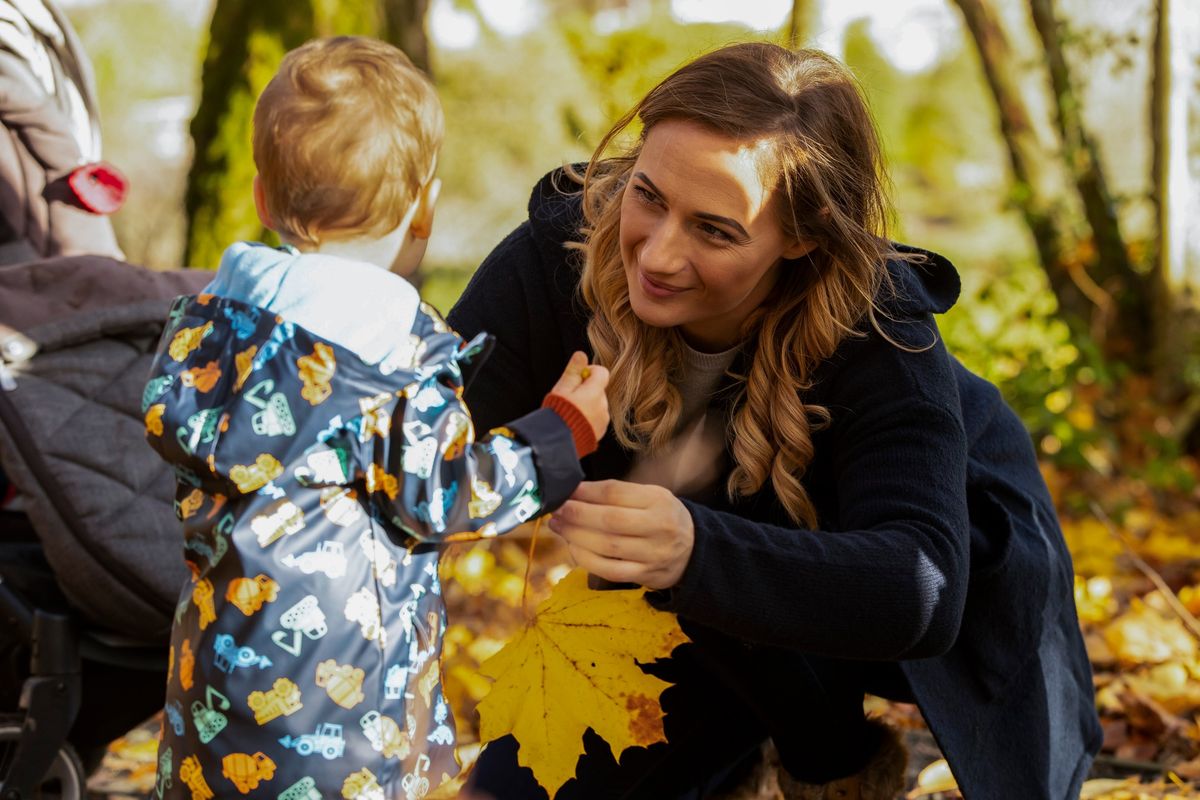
[
  {"x": 715, "y": 233},
  {"x": 645, "y": 195}
]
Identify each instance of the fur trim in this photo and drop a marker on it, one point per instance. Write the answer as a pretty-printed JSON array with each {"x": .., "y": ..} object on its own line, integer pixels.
[{"x": 881, "y": 779}]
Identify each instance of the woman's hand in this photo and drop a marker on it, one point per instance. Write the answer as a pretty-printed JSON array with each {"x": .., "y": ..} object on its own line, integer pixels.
[{"x": 627, "y": 532}]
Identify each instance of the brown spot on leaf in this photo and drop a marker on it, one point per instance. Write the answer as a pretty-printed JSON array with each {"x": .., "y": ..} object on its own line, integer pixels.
[{"x": 645, "y": 719}]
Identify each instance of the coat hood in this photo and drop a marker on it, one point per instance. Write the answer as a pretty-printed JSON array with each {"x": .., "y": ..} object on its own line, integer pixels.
[
  {"x": 362, "y": 306},
  {"x": 927, "y": 284},
  {"x": 232, "y": 377}
]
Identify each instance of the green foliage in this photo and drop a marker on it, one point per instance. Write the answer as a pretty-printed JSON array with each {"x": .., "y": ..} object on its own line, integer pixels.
[
  {"x": 622, "y": 66},
  {"x": 153, "y": 30},
  {"x": 1004, "y": 329},
  {"x": 1085, "y": 413},
  {"x": 505, "y": 130},
  {"x": 939, "y": 136}
]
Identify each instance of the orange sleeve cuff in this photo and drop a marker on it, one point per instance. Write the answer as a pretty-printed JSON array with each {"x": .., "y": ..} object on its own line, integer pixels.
[{"x": 581, "y": 429}]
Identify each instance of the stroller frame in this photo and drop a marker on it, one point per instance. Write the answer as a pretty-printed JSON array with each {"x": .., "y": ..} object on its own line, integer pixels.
[{"x": 50, "y": 697}]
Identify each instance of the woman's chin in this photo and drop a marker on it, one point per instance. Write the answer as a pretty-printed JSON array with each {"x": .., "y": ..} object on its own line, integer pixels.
[{"x": 652, "y": 314}]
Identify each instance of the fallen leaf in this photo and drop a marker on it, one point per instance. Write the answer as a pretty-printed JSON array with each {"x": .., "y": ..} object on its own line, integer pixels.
[
  {"x": 1116, "y": 733},
  {"x": 1189, "y": 770},
  {"x": 574, "y": 667},
  {"x": 1094, "y": 601},
  {"x": 1148, "y": 715},
  {"x": 935, "y": 778},
  {"x": 1145, "y": 636},
  {"x": 1097, "y": 787},
  {"x": 1169, "y": 684}
]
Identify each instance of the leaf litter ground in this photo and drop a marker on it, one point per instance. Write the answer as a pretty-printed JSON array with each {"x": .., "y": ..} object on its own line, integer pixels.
[{"x": 1144, "y": 653}]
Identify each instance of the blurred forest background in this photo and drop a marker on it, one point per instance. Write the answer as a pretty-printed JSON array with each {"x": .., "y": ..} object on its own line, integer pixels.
[{"x": 1049, "y": 148}]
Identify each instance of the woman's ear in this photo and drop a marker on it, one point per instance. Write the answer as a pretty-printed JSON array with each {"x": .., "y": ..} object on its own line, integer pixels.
[
  {"x": 799, "y": 248},
  {"x": 260, "y": 204},
  {"x": 422, "y": 224}
]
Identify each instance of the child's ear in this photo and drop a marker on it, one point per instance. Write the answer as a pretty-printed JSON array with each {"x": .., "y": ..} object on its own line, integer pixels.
[
  {"x": 260, "y": 204},
  {"x": 422, "y": 223}
]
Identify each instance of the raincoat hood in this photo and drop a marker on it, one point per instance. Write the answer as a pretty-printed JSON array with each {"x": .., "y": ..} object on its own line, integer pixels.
[
  {"x": 362, "y": 306},
  {"x": 241, "y": 354}
]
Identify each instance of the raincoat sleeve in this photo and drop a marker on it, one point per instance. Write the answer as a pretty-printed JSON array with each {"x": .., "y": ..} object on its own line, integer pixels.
[{"x": 439, "y": 483}]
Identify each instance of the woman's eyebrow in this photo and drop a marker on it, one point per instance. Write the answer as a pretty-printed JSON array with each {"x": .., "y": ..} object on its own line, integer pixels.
[
  {"x": 644, "y": 179},
  {"x": 732, "y": 223}
]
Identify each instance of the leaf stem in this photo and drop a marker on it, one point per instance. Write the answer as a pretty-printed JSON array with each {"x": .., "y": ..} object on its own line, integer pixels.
[{"x": 537, "y": 526}]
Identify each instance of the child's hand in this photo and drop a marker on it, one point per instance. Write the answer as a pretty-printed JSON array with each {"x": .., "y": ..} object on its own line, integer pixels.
[{"x": 583, "y": 385}]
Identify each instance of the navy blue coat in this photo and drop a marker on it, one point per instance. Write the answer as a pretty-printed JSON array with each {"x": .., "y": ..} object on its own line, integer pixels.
[{"x": 937, "y": 548}]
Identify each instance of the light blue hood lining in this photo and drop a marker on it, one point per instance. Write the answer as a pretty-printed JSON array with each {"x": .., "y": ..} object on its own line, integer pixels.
[{"x": 360, "y": 306}]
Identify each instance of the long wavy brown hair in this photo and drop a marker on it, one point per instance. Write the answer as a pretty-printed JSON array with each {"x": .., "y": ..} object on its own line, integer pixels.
[{"x": 832, "y": 187}]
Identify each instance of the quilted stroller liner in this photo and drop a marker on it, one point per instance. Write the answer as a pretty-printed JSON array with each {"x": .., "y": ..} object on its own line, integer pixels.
[{"x": 71, "y": 435}]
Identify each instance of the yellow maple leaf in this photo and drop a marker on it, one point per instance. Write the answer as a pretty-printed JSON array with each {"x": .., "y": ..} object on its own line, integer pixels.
[
  {"x": 1143, "y": 635},
  {"x": 572, "y": 668}
]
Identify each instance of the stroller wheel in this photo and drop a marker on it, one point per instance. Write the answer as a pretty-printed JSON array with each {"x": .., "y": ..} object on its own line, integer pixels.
[{"x": 65, "y": 780}]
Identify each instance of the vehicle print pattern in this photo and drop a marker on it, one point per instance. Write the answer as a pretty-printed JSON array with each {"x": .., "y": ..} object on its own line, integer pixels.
[{"x": 313, "y": 489}]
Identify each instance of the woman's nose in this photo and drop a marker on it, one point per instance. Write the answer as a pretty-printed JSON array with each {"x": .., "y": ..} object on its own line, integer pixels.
[{"x": 663, "y": 251}]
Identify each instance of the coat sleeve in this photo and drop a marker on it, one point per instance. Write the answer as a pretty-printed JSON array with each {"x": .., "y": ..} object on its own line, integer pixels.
[
  {"x": 885, "y": 578},
  {"x": 440, "y": 484}
]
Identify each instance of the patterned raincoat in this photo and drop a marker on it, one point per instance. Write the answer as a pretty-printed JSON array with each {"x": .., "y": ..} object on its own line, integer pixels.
[{"x": 314, "y": 488}]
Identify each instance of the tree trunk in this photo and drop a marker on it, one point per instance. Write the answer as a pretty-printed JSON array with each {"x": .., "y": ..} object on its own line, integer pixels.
[
  {"x": 1110, "y": 268},
  {"x": 404, "y": 26},
  {"x": 1176, "y": 272},
  {"x": 246, "y": 43},
  {"x": 1039, "y": 190}
]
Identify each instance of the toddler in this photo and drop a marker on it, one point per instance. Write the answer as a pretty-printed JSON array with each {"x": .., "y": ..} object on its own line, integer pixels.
[{"x": 311, "y": 406}]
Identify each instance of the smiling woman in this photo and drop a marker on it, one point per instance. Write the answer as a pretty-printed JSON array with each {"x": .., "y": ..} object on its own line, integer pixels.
[
  {"x": 827, "y": 499},
  {"x": 689, "y": 260}
]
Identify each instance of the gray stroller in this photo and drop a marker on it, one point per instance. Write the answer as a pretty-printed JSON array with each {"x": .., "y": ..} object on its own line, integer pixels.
[{"x": 90, "y": 549}]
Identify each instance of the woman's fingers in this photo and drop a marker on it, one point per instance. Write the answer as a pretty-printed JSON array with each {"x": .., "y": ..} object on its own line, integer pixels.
[
  {"x": 627, "y": 532},
  {"x": 607, "y": 568},
  {"x": 608, "y": 545},
  {"x": 611, "y": 518},
  {"x": 618, "y": 493}
]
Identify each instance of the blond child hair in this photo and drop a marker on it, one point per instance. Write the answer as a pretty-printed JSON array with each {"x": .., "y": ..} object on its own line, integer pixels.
[{"x": 345, "y": 136}]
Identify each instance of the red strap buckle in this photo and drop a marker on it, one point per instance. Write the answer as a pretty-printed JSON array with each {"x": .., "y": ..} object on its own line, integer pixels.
[{"x": 100, "y": 187}]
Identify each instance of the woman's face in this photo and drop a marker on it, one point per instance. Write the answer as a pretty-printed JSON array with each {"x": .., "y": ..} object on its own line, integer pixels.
[{"x": 701, "y": 241}]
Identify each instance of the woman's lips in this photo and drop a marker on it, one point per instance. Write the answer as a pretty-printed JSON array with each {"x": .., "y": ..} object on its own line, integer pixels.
[{"x": 657, "y": 289}]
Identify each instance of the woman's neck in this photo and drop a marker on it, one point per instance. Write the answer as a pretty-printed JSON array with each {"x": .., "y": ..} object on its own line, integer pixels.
[{"x": 709, "y": 340}]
